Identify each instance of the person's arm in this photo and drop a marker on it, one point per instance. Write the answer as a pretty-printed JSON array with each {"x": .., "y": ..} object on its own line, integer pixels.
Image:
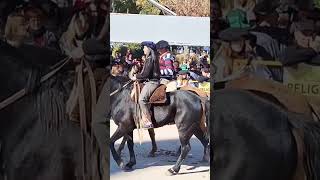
[{"x": 146, "y": 70}]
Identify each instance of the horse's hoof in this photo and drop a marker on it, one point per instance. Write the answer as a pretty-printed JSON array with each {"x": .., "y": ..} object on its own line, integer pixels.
[
  {"x": 127, "y": 168},
  {"x": 151, "y": 154},
  {"x": 121, "y": 165},
  {"x": 204, "y": 160},
  {"x": 171, "y": 172}
]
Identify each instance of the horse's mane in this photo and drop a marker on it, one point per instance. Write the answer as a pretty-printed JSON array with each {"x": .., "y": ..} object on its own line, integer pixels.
[
  {"x": 49, "y": 97},
  {"x": 120, "y": 79}
]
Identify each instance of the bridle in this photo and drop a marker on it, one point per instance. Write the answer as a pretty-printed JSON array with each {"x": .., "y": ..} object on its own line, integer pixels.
[{"x": 120, "y": 88}]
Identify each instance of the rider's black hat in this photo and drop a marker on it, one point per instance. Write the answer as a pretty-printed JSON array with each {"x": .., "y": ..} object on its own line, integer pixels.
[{"x": 162, "y": 44}]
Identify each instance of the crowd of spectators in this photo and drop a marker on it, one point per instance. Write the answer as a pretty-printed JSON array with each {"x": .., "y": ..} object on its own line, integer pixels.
[{"x": 186, "y": 68}]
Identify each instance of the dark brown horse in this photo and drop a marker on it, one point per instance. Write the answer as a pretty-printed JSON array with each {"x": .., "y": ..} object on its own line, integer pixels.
[
  {"x": 37, "y": 140},
  {"x": 184, "y": 109},
  {"x": 254, "y": 138}
]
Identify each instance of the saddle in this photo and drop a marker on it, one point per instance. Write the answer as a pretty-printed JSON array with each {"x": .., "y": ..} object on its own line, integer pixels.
[{"x": 159, "y": 96}]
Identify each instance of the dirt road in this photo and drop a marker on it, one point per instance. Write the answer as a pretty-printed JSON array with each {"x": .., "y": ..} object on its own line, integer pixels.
[{"x": 155, "y": 168}]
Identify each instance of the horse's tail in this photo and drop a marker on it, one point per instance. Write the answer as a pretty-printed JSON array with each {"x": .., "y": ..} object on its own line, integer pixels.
[
  {"x": 207, "y": 105},
  {"x": 205, "y": 116},
  {"x": 310, "y": 137}
]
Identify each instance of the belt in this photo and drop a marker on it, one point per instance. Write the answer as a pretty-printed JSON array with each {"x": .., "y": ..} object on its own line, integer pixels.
[{"x": 154, "y": 80}]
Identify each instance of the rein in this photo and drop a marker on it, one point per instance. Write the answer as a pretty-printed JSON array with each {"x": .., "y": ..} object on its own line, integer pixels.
[
  {"x": 22, "y": 92},
  {"x": 120, "y": 88}
]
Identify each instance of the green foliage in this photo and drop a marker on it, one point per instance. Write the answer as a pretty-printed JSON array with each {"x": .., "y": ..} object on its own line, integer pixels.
[
  {"x": 134, "y": 7},
  {"x": 147, "y": 8},
  {"x": 317, "y": 3},
  {"x": 125, "y": 6},
  {"x": 135, "y": 48}
]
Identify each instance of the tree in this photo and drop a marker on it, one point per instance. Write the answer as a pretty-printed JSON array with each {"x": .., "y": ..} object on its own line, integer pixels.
[
  {"x": 125, "y": 6},
  {"x": 147, "y": 8},
  {"x": 188, "y": 7},
  {"x": 317, "y": 3}
]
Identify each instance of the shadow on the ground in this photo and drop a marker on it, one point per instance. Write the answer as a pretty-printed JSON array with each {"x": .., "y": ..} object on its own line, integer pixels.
[{"x": 166, "y": 155}]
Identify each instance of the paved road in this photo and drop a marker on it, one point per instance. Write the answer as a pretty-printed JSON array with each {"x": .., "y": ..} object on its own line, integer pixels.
[{"x": 156, "y": 167}]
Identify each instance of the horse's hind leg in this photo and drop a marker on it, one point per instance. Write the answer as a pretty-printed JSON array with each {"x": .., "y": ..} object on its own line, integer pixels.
[
  {"x": 121, "y": 147},
  {"x": 132, "y": 160},
  {"x": 201, "y": 136},
  {"x": 185, "y": 148},
  {"x": 117, "y": 135},
  {"x": 154, "y": 144}
]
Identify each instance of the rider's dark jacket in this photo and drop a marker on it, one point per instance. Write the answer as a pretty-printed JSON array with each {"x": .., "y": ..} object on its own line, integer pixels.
[{"x": 151, "y": 69}]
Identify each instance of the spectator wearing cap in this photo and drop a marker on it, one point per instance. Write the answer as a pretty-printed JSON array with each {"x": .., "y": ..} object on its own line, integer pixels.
[
  {"x": 165, "y": 59},
  {"x": 239, "y": 44},
  {"x": 150, "y": 74},
  {"x": 184, "y": 79},
  {"x": 39, "y": 35},
  {"x": 303, "y": 33}
]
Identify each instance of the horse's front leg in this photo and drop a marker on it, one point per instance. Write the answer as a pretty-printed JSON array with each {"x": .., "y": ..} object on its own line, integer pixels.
[
  {"x": 116, "y": 135},
  {"x": 130, "y": 144},
  {"x": 154, "y": 144}
]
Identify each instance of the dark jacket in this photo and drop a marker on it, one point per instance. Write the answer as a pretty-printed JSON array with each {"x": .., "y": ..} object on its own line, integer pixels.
[{"x": 151, "y": 68}]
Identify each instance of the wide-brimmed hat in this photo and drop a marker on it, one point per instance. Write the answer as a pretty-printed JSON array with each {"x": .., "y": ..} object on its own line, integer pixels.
[
  {"x": 182, "y": 72},
  {"x": 234, "y": 34}
]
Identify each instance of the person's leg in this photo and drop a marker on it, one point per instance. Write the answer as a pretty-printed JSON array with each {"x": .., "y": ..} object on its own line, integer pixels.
[{"x": 146, "y": 92}]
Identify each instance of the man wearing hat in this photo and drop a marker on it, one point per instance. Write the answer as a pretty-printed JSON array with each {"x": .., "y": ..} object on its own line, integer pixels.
[
  {"x": 165, "y": 59},
  {"x": 239, "y": 44},
  {"x": 151, "y": 75},
  {"x": 183, "y": 79}
]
